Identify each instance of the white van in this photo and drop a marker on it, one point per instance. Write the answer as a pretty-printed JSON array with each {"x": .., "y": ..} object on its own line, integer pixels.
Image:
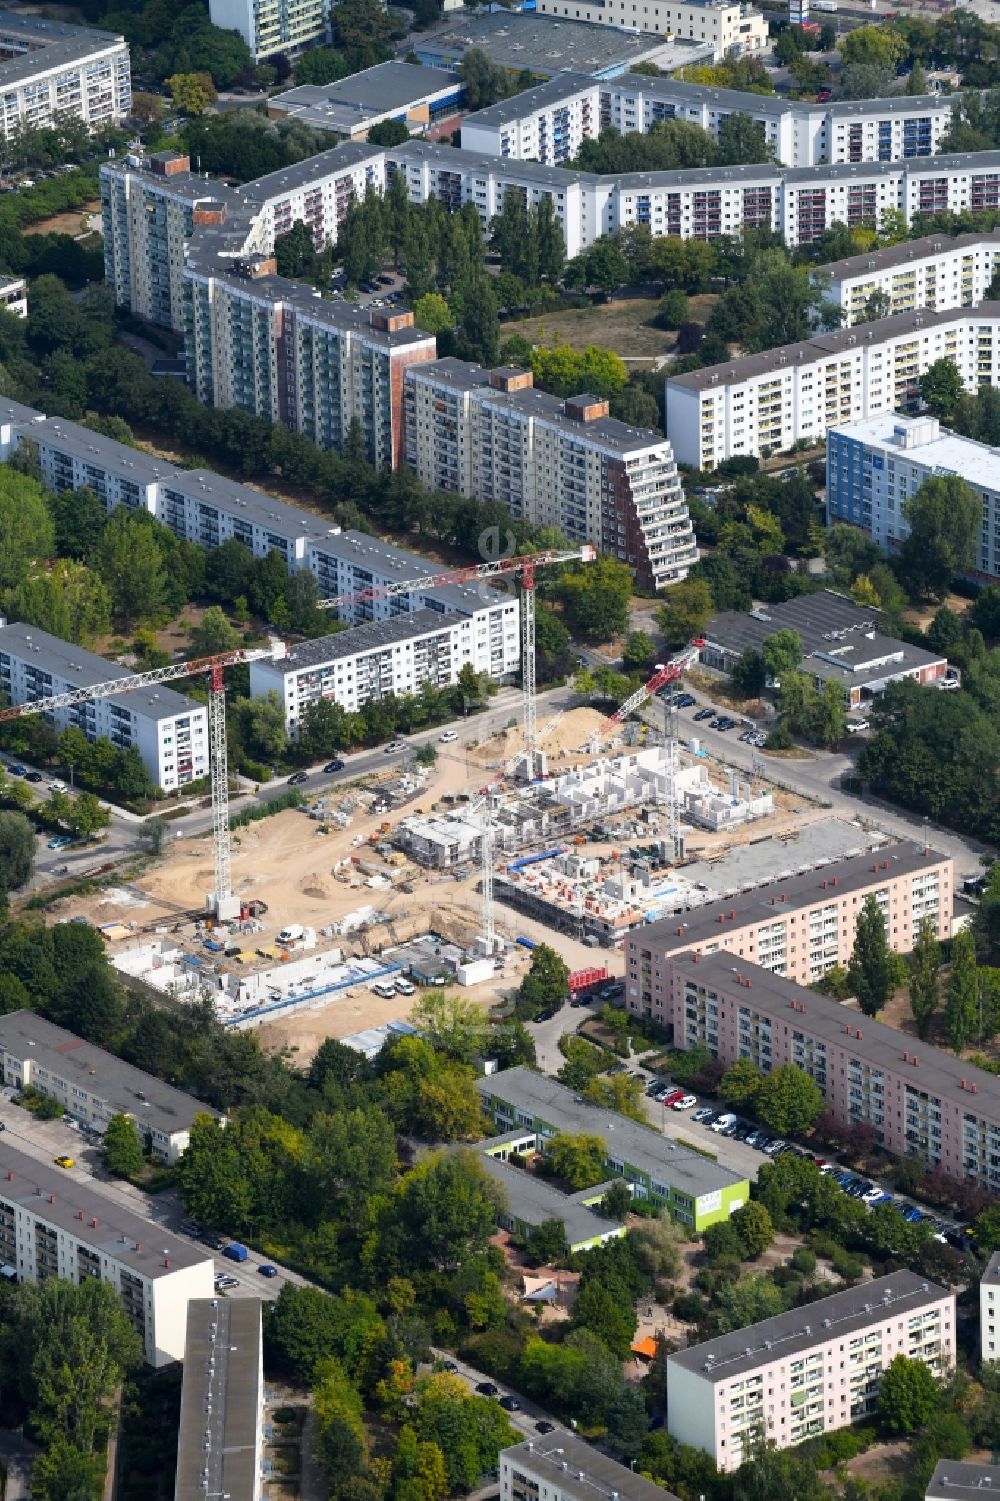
[
  {"x": 403, "y": 987},
  {"x": 383, "y": 991},
  {"x": 291, "y": 934}
]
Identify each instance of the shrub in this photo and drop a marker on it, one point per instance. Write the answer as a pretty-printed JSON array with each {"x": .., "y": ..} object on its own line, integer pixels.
[
  {"x": 690, "y": 1307},
  {"x": 291, "y": 799},
  {"x": 804, "y": 1261},
  {"x": 255, "y": 770}
]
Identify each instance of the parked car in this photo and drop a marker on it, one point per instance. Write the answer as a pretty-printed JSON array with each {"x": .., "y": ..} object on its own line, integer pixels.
[
  {"x": 447, "y": 737},
  {"x": 723, "y": 1121},
  {"x": 487, "y": 1389},
  {"x": 913, "y": 1215},
  {"x": 544, "y": 1426},
  {"x": 857, "y": 726},
  {"x": 61, "y": 842},
  {"x": 19, "y": 770},
  {"x": 297, "y": 778},
  {"x": 332, "y": 766},
  {"x": 755, "y": 1138},
  {"x": 63, "y": 1161},
  {"x": 267, "y": 1270},
  {"x": 686, "y": 701},
  {"x": 58, "y": 785},
  {"x": 510, "y": 1404},
  {"x": 704, "y": 714},
  {"x": 688, "y": 1102},
  {"x": 704, "y": 1115},
  {"x": 404, "y": 987},
  {"x": 731, "y": 1129},
  {"x": 450, "y": 1366},
  {"x": 394, "y": 747},
  {"x": 33, "y": 776},
  {"x": 774, "y": 1147}
]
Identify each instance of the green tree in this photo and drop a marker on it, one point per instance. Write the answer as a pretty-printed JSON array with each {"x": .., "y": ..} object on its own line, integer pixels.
[
  {"x": 596, "y": 598},
  {"x": 944, "y": 519},
  {"x": 924, "y": 977},
  {"x": 362, "y": 31},
  {"x": 444, "y": 1211},
  {"x": 941, "y": 388},
  {"x": 211, "y": 1176},
  {"x": 213, "y": 633},
  {"x": 469, "y": 1430},
  {"x": 788, "y": 1100},
  {"x": 122, "y": 1148},
  {"x": 741, "y": 1083},
  {"x": 26, "y": 531},
  {"x": 747, "y": 1302},
  {"x": 637, "y": 653},
  {"x": 131, "y": 564},
  {"x": 628, "y": 1423},
  {"x": 599, "y": 1309},
  {"x": 908, "y": 1395},
  {"x": 781, "y": 653},
  {"x": 450, "y": 1023},
  {"x": 192, "y": 93},
  {"x": 686, "y": 612},
  {"x": 485, "y": 81},
  {"x": 618, "y": 1092},
  {"x": 742, "y": 140},
  {"x": 961, "y": 1011},
  {"x": 17, "y": 853},
  {"x": 770, "y": 1474},
  {"x": 545, "y": 984},
  {"x": 432, "y": 313},
  {"x": 578, "y": 1159},
  {"x": 871, "y": 972},
  {"x": 752, "y": 1224},
  {"x": 749, "y": 675}
]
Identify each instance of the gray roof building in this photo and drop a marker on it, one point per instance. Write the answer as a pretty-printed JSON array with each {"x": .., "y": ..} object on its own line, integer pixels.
[
  {"x": 992, "y": 1272},
  {"x": 554, "y": 89},
  {"x": 533, "y": 1201},
  {"x": 220, "y": 1434},
  {"x": 790, "y": 1334},
  {"x": 73, "y": 666},
  {"x": 542, "y": 44},
  {"x": 573, "y": 1470},
  {"x": 873, "y": 261},
  {"x": 253, "y": 506},
  {"x": 370, "y": 555},
  {"x": 351, "y": 104},
  {"x": 374, "y": 635},
  {"x": 49, "y": 44},
  {"x": 961, "y": 1480}
]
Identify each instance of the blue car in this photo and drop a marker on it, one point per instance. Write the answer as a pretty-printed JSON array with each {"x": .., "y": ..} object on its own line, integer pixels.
[
  {"x": 267, "y": 1270},
  {"x": 912, "y": 1215},
  {"x": 19, "y": 771}
]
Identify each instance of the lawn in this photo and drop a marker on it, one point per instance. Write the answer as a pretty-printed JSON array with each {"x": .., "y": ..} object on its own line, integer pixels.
[{"x": 625, "y": 325}]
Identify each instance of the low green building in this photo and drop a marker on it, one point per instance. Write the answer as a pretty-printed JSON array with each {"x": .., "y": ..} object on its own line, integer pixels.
[
  {"x": 530, "y": 1201},
  {"x": 696, "y": 1190}
]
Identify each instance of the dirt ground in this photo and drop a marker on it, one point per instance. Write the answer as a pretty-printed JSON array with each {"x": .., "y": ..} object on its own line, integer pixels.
[
  {"x": 624, "y": 325},
  {"x": 70, "y": 223}
]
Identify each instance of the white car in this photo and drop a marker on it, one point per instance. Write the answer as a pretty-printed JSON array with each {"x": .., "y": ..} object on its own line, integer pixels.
[
  {"x": 858, "y": 726},
  {"x": 383, "y": 991},
  {"x": 447, "y": 737},
  {"x": 722, "y": 1122},
  {"x": 394, "y": 747},
  {"x": 687, "y": 1102},
  {"x": 57, "y": 786},
  {"x": 403, "y": 987}
]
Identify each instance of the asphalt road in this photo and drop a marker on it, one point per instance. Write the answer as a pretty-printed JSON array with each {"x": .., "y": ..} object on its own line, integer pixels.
[{"x": 527, "y": 1413}]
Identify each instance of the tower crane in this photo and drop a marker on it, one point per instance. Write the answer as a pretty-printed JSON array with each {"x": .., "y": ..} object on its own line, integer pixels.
[
  {"x": 223, "y": 903},
  {"x": 525, "y": 566}
]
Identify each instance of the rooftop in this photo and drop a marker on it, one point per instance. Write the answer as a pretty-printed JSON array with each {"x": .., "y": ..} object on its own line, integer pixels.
[
  {"x": 84, "y": 1212},
  {"x": 53, "y": 44},
  {"x": 364, "y": 553},
  {"x": 644, "y": 1148},
  {"x": 560, "y": 86},
  {"x": 374, "y": 635},
  {"x": 931, "y": 246},
  {"x": 82, "y": 668},
  {"x": 960, "y": 1480},
  {"x": 129, "y": 1090},
  {"x": 839, "y": 341},
  {"x": 574, "y": 1468},
  {"x": 802, "y": 1329},
  {"x": 343, "y": 158},
  {"x": 257, "y": 507},
  {"x": 220, "y": 1400},
  {"x": 770, "y": 104},
  {"x": 531, "y": 1199},
  {"x": 519, "y": 40},
  {"x": 941, "y": 1073},
  {"x": 346, "y": 105},
  {"x": 90, "y": 447},
  {"x": 806, "y": 848},
  {"x": 992, "y": 1272},
  {"x": 718, "y": 919},
  {"x": 926, "y": 442}
]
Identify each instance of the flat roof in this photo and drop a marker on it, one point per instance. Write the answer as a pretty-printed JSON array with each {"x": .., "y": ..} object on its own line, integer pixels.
[
  {"x": 574, "y": 1468},
  {"x": 255, "y": 506},
  {"x": 669, "y": 1161},
  {"x": 746, "y": 102},
  {"x": 939, "y": 1072},
  {"x": 131, "y": 1091},
  {"x": 221, "y": 1401},
  {"x": 961, "y": 1480},
  {"x": 382, "y": 561},
  {"x": 943, "y": 451},
  {"x": 823, "y": 346},
  {"x": 57, "y": 45},
  {"x": 801, "y": 1329},
  {"x": 374, "y": 635},
  {"x": 531, "y": 1199},
  {"x": 561, "y": 85},
  {"x": 718, "y": 919},
  {"x": 542, "y": 43},
  {"x": 808, "y": 847},
  {"x": 83, "y": 669},
  {"x": 84, "y": 1212},
  {"x": 376, "y": 91},
  {"x": 907, "y": 252},
  {"x": 345, "y": 156},
  {"x": 90, "y": 447}
]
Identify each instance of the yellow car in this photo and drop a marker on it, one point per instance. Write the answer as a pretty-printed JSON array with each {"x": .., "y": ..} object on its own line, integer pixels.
[{"x": 64, "y": 1161}]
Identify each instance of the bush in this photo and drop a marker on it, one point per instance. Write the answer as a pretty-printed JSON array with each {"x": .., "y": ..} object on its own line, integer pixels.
[
  {"x": 845, "y": 1265},
  {"x": 690, "y": 1307},
  {"x": 804, "y": 1261},
  {"x": 255, "y": 770},
  {"x": 291, "y": 799}
]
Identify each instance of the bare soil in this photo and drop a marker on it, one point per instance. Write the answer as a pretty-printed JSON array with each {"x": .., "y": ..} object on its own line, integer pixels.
[
  {"x": 73, "y": 222},
  {"x": 624, "y": 325}
]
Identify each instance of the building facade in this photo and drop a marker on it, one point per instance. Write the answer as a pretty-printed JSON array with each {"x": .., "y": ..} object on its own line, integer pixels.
[
  {"x": 14, "y": 296},
  {"x": 761, "y": 403},
  {"x": 989, "y": 1310},
  {"x": 799, "y": 927},
  {"x": 664, "y": 1173},
  {"x": 169, "y": 731},
  {"x": 920, "y": 1101},
  {"x": 806, "y": 1372},
  {"x": 387, "y": 657},
  {"x": 93, "y": 1086},
  {"x": 51, "y": 71},
  {"x": 936, "y": 273},
  {"x": 732, "y": 30},
  {"x": 564, "y": 1468},
  {"x": 568, "y": 464},
  {"x": 220, "y": 1436},
  {"x": 873, "y": 468},
  {"x": 272, "y": 26},
  {"x": 52, "y": 1225}
]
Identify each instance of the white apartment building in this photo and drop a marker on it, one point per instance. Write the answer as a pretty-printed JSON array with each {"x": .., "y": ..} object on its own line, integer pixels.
[
  {"x": 567, "y": 464},
  {"x": 989, "y": 1310},
  {"x": 808, "y": 1371},
  {"x": 169, "y": 731},
  {"x": 937, "y": 272},
  {"x": 220, "y": 1436},
  {"x": 93, "y": 1086},
  {"x": 14, "y": 296},
  {"x": 562, "y": 1467},
  {"x": 54, "y": 1225},
  {"x": 272, "y": 26},
  {"x": 770, "y": 401},
  {"x": 874, "y": 466},
  {"x": 51, "y": 70},
  {"x": 549, "y": 123},
  {"x": 385, "y": 657},
  {"x": 732, "y": 30}
]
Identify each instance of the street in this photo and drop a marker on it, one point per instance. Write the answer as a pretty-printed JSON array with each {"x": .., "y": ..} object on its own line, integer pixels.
[{"x": 526, "y": 1416}]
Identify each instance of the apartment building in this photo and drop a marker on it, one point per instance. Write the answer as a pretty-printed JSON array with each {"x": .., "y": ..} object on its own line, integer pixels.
[
  {"x": 567, "y": 464},
  {"x": 394, "y": 657},
  {"x": 798, "y": 927},
  {"x": 349, "y": 107},
  {"x": 962, "y": 1480},
  {"x": 920, "y": 1101},
  {"x": 529, "y": 1201},
  {"x": 220, "y": 1436},
  {"x": 873, "y": 467},
  {"x": 732, "y": 30},
  {"x": 762, "y": 403},
  {"x": 93, "y": 1086},
  {"x": 316, "y": 190},
  {"x": 937, "y": 272},
  {"x": 52, "y": 71},
  {"x": 549, "y": 123},
  {"x": 54, "y": 1225},
  {"x": 989, "y": 1309},
  {"x": 696, "y": 1190},
  {"x": 14, "y": 295},
  {"x": 270, "y": 27},
  {"x": 169, "y": 731},
  {"x": 563, "y": 1467},
  {"x": 806, "y": 1372},
  {"x": 266, "y": 345}
]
